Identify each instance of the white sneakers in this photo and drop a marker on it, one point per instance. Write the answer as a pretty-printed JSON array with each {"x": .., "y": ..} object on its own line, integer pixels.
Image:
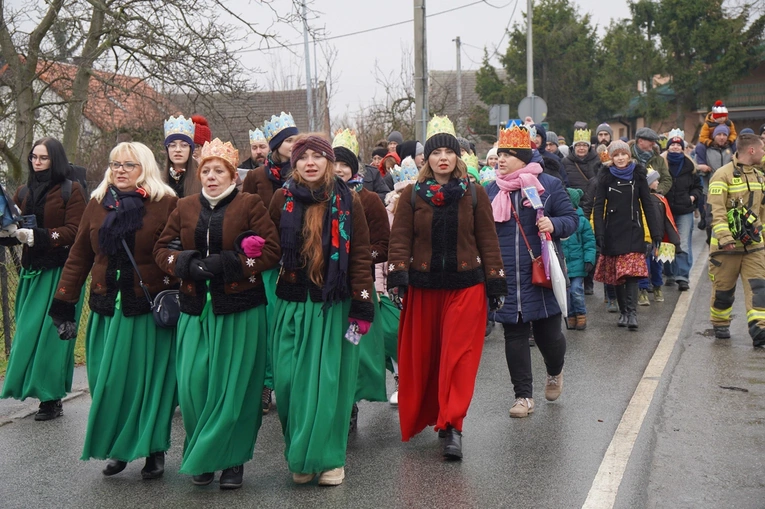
[
  {"x": 332, "y": 477},
  {"x": 393, "y": 400}
]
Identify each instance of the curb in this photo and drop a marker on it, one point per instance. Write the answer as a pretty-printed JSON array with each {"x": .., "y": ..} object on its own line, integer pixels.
[{"x": 31, "y": 411}]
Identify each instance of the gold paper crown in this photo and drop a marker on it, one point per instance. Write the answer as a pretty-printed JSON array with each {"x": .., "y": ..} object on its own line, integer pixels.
[
  {"x": 347, "y": 139},
  {"x": 438, "y": 125},
  {"x": 582, "y": 136},
  {"x": 517, "y": 137},
  {"x": 470, "y": 160},
  {"x": 217, "y": 148}
]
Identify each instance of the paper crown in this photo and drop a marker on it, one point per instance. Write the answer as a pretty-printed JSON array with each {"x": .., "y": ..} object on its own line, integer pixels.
[
  {"x": 675, "y": 133},
  {"x": 407, "y": 172},
  {"x": 277, "y": 124},
  {"x": 516, "y": 137},
  {"x": 217, "y": 148},
  {"x": 582, "y": 136},
  {"x": 439, "y": 125},
  {"x": 257, "y": 135},
  {"x": 179, "y": 125},
  {"x": 471, "y": 160},
  {"x": 487, "y": 175},
  {"x": 347, "y": 139}
]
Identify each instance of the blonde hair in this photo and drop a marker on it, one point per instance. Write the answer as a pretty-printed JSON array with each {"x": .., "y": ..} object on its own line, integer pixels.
[
  {"x": 150, "y": 178},
  {"x": 426, "y": 172}
]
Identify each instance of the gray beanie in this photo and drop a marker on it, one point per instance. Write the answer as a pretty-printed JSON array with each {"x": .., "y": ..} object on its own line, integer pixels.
[
  {"x": 647, "y": 134},
  {"x": 604, "y": 127},
  {"x": 464, "y": 144},
  {"x": 552, "y": 137},
  {"x": 419, "y": 150},
  {"x": 396, "y": 136}
]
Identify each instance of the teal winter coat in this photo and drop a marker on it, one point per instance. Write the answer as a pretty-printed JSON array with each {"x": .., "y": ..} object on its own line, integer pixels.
[{"x": 579, "y": 248}]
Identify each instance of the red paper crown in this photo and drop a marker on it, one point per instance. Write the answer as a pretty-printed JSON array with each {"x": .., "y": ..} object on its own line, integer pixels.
[{"x": 517, "y": 137}]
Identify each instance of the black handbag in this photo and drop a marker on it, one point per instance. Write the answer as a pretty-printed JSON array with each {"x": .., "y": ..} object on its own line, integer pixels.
[{"x": 166, "y": 306}]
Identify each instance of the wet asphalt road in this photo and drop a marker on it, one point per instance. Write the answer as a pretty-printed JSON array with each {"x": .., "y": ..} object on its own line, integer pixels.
[{"x": 702, "y": 443}]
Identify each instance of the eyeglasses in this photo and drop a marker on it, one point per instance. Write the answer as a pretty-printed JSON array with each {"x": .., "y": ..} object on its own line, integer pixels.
[
  {"x": 42, "y": 159},
  {"x": 178, "y": 145},
  {"x": 127, "y": 167}
]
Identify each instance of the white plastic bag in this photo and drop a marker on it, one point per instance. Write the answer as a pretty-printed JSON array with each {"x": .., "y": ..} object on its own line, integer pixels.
[{"x": 558, "y": 279}]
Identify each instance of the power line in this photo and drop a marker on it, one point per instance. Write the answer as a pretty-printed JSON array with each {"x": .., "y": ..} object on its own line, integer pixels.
[{"x": 383, "y": 27}]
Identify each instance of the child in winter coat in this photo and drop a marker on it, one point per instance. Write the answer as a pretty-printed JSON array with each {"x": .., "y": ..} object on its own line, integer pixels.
[
  {"x": 718, "y": 116},
  {"x": 579, "y": 252}
]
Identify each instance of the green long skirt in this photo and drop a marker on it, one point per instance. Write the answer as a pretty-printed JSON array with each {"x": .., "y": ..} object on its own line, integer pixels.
[
  {"x": 315, "y": 371},
  {"x": 370, "y": 383},
  {"x": 40, "y": 365},
  {"x": 269, "y": 282},
  {"x": 131, "y": 374},
  {"x": 221, "y": 366},
  {"x": 387, "y": 317}
]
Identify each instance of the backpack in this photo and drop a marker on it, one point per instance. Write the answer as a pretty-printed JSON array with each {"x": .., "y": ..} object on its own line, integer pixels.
[{"x": 75, "y": 173}]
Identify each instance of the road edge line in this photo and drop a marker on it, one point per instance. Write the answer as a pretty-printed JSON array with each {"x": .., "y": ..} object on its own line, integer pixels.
[{"x": 605, "y": 486}]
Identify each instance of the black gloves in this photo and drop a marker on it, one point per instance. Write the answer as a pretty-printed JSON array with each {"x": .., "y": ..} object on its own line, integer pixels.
[
  {"x": 588, "y": 267},
  {"x": 198, "y": 271},
  {"x": 66, "y": 330},
  {"x": 496, "y": 303},
  {"x": 213, "y": 264},
  {"x": 175, "y": 244}
]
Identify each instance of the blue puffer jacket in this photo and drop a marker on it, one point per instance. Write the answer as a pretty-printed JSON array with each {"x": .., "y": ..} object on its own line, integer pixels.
[{"x": 533, "y": 302}]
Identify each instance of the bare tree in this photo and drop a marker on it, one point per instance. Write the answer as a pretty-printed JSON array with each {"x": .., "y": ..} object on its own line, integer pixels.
[{"x": 186, "y": 46}]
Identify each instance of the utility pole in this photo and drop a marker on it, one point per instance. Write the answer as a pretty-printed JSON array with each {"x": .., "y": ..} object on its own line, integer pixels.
[
  {"x": 529, "y": 56},
  {"x": 315, "y": 84},
  {"x": 420, "y": 71},
  {"x": 459, "y": 74},
  {"x": 306, "y": 52}
]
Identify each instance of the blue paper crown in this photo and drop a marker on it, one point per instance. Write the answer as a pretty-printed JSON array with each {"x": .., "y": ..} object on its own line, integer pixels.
[
  {"x": 487, "y": 175},
  {"x": 257, "y": 135},
  {"x": 277, "y": 124},
  {"x": 407, "y": 172},
  {"x": 179, "y": 125}
]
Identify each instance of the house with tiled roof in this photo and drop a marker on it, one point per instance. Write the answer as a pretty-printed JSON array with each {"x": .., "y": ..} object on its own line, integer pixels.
[{"x": 115, "y": 102}]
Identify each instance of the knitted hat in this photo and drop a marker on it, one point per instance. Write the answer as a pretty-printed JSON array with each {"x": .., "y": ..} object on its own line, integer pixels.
[
  {"x": 575, "y": 195},
  {"x": 617, "y": 147},
  {"x": 678, "y": 140},
  {"x": 344, "y": 155},
  {"x": 396, "y": 136},
  {"x": 317, "y": 144},
  {"x": 719, "y": 110},
  {"x": 440, "y": 133},
  {"x": 604, "y": 127},
  {"x": 653, "y": 176},
  {"x": 464, "y": 144},
  {"x": 407, "y": 149},
  {"x": 492, "y": 152},
  {"x": 722, "y": 128},
  {"x": 746, "y": 130},
  {"x": 647, "y": 134},
  {"x": 552, "y": 137},
  {"x": 379, "y": 151},
  {"x": 202, "y": 131},
  {"x": 762, "y": 129}
]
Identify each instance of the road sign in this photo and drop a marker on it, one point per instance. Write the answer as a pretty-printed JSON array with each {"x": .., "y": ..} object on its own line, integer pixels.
[
  {"x": 499, "y": 114},
  {"x": 534, "y": 107}
]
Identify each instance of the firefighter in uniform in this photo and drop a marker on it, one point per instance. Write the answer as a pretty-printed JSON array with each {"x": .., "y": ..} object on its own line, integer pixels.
[{"x": 737, "y": 199}]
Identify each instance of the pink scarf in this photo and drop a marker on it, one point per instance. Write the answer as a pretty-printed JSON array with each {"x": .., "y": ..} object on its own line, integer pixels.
[{"x": 525, "y": 177}]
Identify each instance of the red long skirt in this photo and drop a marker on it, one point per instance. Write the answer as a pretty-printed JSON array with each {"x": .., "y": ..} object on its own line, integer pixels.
[{"x": 440, "y": 340}]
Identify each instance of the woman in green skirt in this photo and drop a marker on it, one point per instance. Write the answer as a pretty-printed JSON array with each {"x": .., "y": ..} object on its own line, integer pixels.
[
  {"x": 41, "y": 365},
  {"x": 131, "y": 361},
  {"x": 219, "y": 242},
  {"x": 370, "y": 383},
  {"x": 325, "y": 283}
]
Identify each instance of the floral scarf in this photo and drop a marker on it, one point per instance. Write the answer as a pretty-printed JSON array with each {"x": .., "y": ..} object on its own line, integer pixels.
[
  {"x": 124, "y": 217},
  {"x": 439, "y": 195},
  {"x": 277, "y": 173},
  {"x": 335, "y": 234}
]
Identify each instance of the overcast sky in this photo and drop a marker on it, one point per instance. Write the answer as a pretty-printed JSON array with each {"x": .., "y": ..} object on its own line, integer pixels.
[{"x": 478, "y": 26}]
